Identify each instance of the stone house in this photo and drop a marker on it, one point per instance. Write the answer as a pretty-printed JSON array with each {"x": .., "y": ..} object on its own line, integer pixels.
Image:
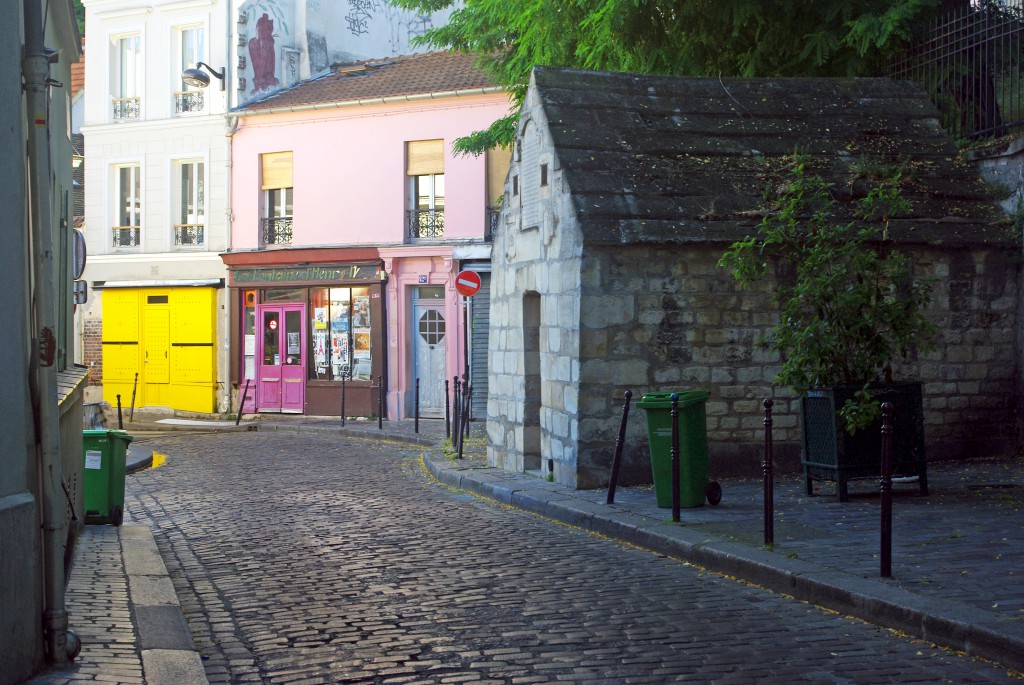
[{"x": 622, "y": 195}]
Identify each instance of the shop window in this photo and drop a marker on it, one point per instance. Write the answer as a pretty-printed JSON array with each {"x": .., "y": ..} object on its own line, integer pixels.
[
  {"x": 249, "y": 334},
  {"x": 342, "y": 337}
]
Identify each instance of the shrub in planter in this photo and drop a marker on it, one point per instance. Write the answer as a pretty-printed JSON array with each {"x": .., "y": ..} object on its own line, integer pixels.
[{"x": 848, "y": 306}]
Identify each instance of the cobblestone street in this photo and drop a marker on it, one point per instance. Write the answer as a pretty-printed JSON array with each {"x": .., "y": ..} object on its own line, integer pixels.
[{"x": 309, "y": 559}]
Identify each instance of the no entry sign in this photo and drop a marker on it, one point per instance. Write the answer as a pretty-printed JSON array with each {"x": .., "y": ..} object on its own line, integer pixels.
[{"x": 467, "y": 283}]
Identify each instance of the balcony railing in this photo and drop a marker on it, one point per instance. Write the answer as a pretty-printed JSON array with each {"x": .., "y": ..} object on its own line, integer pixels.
[
  {"x": 425, "y": 224},
  {"x": 126, "y": 108},
  {"x": 126, "y": 236},
  {"x": 188, "y": 234},
  {"x": 189, "y": 102},
  {"x": 277, "y": 231}
]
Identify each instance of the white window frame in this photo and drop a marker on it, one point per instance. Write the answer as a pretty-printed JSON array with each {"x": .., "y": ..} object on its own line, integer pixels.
[
  {"x": 200, "y": 185},
  {"x": 188, "y": 100},
  {"x": 127, "y": 77},
  {"x": 118, "y": 198}
]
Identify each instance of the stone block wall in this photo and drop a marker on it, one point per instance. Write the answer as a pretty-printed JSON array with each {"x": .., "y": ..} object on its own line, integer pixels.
[{"x": 663, "y": 320}]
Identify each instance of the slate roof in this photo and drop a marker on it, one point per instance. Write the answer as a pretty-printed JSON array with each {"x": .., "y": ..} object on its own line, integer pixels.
[
  {"x": 683, "y": 159},
  {"x": 369, "y": 80}
]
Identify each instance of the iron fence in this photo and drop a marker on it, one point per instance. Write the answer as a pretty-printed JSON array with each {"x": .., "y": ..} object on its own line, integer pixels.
[
  {"x": 277, "y": 231},
  {"x": 188, "y": 234},
  {"x": 189, "y": 101},
  {"x": 126, "y": 108},
  {"x": 968, "y": 61},
  {"x": 126, "y": 236},
  {"x": 425, "y": 224}
]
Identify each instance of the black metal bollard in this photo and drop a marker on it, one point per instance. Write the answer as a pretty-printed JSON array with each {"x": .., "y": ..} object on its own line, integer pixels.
[
  {"x": 468, "y": 413},
  {"x": 675, "y": 456},
  {"x": 417, "y": 407},
  {"x": 343, "y": 399},
  {"x": 120, "y": 423},
  {"x": 131, "y": 410},
  {"x": 769, "y": 477},
  {"x": 241, "y": 402},
  {"x": 380, "y": 404},
  {"x": 447, "y": 412},
  {"x": 456, "y": 419},
  {"x": 613, "y": 479},
  {"x": 886, "y": 494}
]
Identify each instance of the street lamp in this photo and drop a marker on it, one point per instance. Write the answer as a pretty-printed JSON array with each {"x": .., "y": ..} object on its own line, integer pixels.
[{"x": 199, "y": 78}]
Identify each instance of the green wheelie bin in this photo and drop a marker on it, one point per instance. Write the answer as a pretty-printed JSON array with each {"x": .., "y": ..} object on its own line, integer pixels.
[
  {"x": 694, "y": 487},
  {"x": 105, "y": 453}
]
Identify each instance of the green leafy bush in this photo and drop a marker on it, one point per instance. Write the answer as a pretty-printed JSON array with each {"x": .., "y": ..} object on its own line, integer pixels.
[{"x": 847, "y": 303}]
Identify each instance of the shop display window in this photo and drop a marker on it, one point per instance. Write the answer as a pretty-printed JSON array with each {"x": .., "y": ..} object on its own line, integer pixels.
[
  {"x": 340, "y": 324},
  {"x": 249, "y": 334}
]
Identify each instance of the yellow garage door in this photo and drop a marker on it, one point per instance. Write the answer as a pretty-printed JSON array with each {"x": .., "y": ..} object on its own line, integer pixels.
[
  {"x": 193, "y": 364},
  {"x": 165, "y": 335},
  {"x": 121, "y": 348}
]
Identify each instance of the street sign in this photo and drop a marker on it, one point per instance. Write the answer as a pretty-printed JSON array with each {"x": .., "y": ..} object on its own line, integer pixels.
[{"x": 467, "y": 283}]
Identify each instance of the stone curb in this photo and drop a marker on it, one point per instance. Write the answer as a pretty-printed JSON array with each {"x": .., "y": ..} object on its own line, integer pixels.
[
  {"x": 956, "y": 626},
  {"x": 169, "y": 654}
]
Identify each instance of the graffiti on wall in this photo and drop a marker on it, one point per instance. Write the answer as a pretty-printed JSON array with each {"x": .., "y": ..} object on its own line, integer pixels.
[
  {"x": 285, "y": 41},
  {"x": 365, "y": 15},
  {"x": 263, "y": 55}
]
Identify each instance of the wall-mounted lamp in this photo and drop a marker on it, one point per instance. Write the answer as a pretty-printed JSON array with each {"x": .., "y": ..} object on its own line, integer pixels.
[{"x": 199, "y": 78}]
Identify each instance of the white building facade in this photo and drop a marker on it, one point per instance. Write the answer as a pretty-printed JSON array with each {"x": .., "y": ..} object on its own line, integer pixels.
[{"x": 157, "y": 191}]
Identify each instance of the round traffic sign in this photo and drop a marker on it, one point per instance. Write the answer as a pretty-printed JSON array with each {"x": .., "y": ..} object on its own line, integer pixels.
[{"x": 467, "y": 283}]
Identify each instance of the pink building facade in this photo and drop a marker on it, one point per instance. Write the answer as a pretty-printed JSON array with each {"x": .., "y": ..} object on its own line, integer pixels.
[{"x": 351, "y": 217}]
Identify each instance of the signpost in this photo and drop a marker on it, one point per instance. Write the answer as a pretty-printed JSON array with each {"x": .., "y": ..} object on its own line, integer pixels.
[{"x": 467, "y": 283}]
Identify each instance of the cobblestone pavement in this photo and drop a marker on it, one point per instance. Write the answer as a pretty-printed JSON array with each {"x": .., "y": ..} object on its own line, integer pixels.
[{"x": 327, "y": 559}]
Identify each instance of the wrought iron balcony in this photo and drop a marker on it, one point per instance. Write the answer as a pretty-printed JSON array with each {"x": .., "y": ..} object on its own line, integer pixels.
[
  {"x": 425, "y": 224},
  {"x": 127, "y": 236},
  {"x": 126, "y": 108},
  {"x": 277, "y": 230},
  {"x": 188, "y": 234},
  {"x": 189, "y": 101}
]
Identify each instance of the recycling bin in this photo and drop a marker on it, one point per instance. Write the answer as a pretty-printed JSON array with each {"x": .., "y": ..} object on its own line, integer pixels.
[
  {"x": 105, "y": 453},
  {"x": 694, "y": 487}
]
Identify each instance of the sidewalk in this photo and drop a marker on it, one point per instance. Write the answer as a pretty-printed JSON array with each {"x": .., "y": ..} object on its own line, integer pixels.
[{"x": 957, "y": 560}]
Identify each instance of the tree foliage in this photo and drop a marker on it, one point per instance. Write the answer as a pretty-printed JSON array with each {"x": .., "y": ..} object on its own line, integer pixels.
[
  {"x": 677, "y": 37},
  {"x": 848, "y": 305}
]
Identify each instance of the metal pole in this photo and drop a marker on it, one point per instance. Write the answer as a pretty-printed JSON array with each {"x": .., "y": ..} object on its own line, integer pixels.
[
  {"x": 241, "y": 402},
  {"x": 886, "y": 484},
  {"x": 417, "y": 423},
  {"x": 120, "y": 422},
  {"x": 675, "y": 456},
  {"x": 769, "y": 477},
  {"x": 380, "y": 403},
  {"x": 447, "y": 412},
  {"x": 343, "y": 399},
  {"x": 613, "y": 479},
  {"x": 131, "y": 410},
  {"x": 467, "y": 393},
  {"x": 456, "y": 425},
  {"x": 465, "y": 413}
]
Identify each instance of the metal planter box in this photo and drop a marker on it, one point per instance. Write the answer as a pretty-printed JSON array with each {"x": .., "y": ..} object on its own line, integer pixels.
[{"x": 830, "y": 453}]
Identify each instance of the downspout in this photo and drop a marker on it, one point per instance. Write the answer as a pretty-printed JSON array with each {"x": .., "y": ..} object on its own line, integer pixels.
[
  {"x": 61, "y": 643},
  {"x": 230, "y": 126}
]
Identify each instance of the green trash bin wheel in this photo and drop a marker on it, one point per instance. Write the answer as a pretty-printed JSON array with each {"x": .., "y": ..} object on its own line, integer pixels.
[
  {"x": 117, "y": 516},
  {"x": 713, "y": 492}
]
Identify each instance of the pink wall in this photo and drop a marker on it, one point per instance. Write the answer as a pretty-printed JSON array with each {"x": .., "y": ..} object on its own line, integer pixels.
[{"x": 349, "y": 169}]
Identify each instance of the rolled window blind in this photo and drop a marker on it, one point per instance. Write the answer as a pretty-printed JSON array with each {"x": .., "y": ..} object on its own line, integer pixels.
[
  {"x": 425, "y": 157},
  {"x": 277, "y": 170}
]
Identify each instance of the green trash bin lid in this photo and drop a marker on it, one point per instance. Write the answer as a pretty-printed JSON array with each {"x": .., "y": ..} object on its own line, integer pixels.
[{"x": 663, "y": 400}]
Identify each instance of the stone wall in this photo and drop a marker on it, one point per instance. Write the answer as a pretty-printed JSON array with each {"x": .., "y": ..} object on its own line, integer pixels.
[{"x": 657, "y": 320}]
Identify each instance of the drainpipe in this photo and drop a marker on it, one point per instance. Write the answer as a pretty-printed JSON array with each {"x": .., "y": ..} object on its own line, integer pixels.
[{"x": 61, "y": 643}]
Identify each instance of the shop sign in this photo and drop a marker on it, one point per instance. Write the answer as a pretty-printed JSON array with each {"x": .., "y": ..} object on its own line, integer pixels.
[{"x": 339, "y": 273}]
